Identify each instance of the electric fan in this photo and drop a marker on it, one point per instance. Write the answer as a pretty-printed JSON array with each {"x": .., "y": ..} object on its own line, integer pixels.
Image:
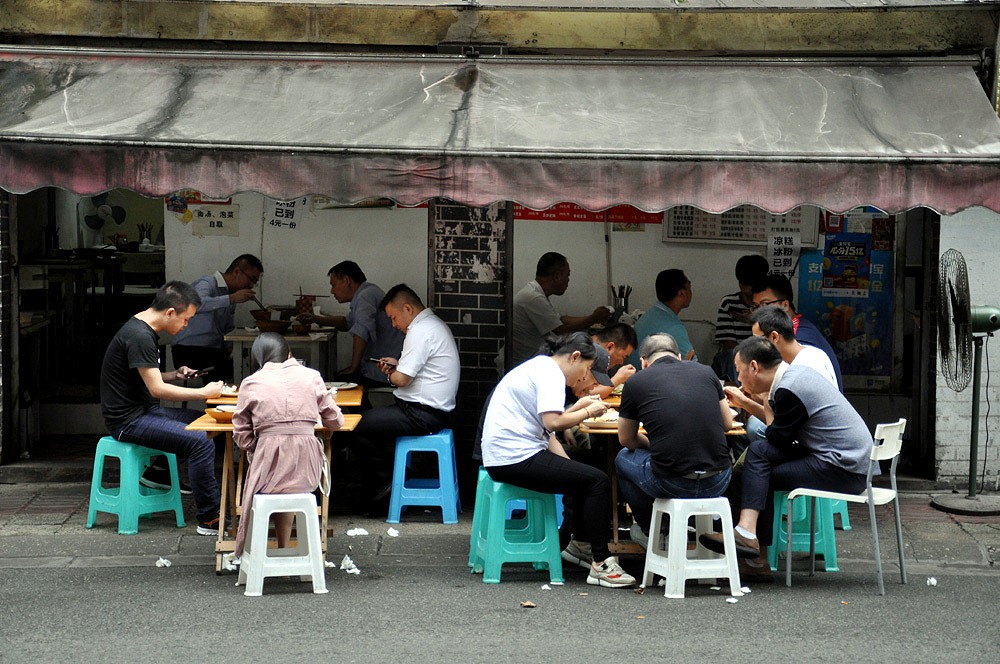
[{"x": 961, "y": 330}]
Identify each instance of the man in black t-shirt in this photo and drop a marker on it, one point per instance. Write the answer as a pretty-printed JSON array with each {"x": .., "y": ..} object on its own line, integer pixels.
[
  {"x": 132, "y": 386},
  {"x": 683, "y": 453}
]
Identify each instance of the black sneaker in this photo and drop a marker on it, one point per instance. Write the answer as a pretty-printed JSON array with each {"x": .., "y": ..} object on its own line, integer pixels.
[
  {"x": 210, "y": 528},
  {"x": 157, "y": 477}
]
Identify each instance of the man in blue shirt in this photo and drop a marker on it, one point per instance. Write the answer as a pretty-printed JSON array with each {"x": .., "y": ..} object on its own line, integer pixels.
[
  {"x": 372, "y": 333},
  {"x": 673, "y": 293},
  {"x": 201, "y": 345}
]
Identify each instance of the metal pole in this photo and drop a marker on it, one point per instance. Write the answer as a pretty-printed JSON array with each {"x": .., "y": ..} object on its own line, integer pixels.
[{"x": 974, "y": 437}]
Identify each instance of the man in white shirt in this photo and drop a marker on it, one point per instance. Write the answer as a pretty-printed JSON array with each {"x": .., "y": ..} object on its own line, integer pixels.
[
  {"x": 426, "y": 377},
  {"x": 534, "y": 317}
]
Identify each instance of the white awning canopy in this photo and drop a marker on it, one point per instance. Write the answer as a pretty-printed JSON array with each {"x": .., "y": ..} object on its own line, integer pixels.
[{"x": 651, "y": 134}]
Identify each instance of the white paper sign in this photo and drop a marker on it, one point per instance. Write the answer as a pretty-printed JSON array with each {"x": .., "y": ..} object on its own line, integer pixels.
[
  {"x": 783, "y": 244},
  {"x": 284, "y": 215},
  {"x": 215, "y": 220}
]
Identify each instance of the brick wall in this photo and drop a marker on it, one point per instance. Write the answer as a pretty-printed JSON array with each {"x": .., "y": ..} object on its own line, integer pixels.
[
  {"x": 975, "y": 233},
  {"x": 470, "y": 290}
]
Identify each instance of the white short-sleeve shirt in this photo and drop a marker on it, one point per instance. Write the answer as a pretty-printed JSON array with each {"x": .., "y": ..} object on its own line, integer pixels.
[
  {"x": 430, "y": 356},
  {"x": 815, "y": 358},
  {"x": 513, "y": 430}
]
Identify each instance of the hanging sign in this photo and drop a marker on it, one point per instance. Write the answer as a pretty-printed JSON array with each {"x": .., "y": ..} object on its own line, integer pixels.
[
  {"x": 285, "y": 215},
  {"x": 783, "y": 244},
  {"x": 215, "y": 220}
]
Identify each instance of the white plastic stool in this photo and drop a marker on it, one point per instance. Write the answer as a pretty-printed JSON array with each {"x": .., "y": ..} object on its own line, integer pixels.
[
  {"x": 673, "y": 562},
  {"x": 304, "y": 560}
]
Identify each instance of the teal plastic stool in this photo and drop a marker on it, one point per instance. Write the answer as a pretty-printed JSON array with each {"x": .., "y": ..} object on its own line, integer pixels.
[
  {"x": 826, "y": 542},
  {"x": 130, "y": 500},
  {"x": 440, "y": 492},
  {"x": 496, "y": 540},
  {"x": 840, "y": 508},
  {"x": 514, "y": 505}
]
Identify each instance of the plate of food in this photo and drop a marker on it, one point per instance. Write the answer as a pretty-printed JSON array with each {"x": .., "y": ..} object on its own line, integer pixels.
[
  {"x": 609, "y": 420},
  {"x": 341, "y": 385},
  {"x": 230, "y": 391}
]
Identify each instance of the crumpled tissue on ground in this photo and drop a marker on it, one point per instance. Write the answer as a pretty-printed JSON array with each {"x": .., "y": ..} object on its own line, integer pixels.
[
  {"x": 354, "y": 532},
  {"x": 392, "y": 532},
  {"x": 348, "y": 566},
  {"x": 230, "y": 562},
  {"x": 162, "y": 562}
]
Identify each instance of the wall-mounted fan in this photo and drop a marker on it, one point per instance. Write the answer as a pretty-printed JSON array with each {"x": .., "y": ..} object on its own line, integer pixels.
[
  {"x": 961, "y": 330},
  {"x": 104, "y": 213}
]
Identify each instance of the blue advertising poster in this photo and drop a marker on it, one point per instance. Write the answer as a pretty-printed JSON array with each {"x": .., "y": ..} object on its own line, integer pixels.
[{"x": 846, "y": 289}]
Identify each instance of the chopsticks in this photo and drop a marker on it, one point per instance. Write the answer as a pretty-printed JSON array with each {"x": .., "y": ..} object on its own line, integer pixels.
[{"x": 259, "y": 303}]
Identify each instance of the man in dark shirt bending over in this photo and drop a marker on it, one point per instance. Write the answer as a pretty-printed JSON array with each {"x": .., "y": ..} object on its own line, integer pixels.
[{"x": 684, "y": 452}]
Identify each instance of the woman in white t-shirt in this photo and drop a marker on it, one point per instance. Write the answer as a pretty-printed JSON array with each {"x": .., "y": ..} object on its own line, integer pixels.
[{"x": 526, "y": 408}]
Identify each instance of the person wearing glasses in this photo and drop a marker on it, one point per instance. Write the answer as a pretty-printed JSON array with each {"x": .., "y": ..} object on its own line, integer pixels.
[
  {"x": 775, "y": 289},
  {"x": 201, "y": 344}
]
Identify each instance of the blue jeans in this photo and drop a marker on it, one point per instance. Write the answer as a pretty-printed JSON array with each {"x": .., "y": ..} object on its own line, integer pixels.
[
  {"x": 756, "y": 429},
  {"x": 162, "y": 429},
  {"x": 641, "y": 487}
]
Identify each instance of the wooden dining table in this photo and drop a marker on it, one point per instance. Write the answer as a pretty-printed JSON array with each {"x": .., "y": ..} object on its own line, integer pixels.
[
  {"x": 232, "y": 481},
  {"x": 344, "y": 398},
  {"x": 608, "y": 435}
]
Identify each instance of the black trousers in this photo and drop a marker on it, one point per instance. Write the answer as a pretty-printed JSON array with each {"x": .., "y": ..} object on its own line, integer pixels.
[{"x": 373, "y": 442}]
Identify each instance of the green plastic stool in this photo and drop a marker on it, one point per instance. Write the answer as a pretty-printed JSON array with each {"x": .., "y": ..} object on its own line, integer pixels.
[
  {"x": 826, "y": 541},
  {"x": 840, "y": 508},
  {"x": 495, "y": 540},
  {"x": 130, "y": 500}
]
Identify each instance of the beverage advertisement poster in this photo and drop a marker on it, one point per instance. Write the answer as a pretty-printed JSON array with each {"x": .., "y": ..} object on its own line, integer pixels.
[{"x": 846, "y": 289}]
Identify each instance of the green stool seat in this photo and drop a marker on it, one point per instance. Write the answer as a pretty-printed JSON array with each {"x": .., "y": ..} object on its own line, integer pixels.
[
  {"x": 826, "y": 542},
  {"x": 495, "y": 540},
  {"x": 130, "y": 500}
]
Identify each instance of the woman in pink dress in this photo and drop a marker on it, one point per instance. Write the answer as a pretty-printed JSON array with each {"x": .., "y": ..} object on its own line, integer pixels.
[{"x": 275, "y": 419}]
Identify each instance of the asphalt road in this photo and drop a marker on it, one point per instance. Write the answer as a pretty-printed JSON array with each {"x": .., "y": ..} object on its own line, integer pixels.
[{"x": 417, "y": 608}]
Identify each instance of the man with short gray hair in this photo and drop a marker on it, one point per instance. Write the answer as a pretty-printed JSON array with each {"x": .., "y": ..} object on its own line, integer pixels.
[{"x": 683, "y": 453}]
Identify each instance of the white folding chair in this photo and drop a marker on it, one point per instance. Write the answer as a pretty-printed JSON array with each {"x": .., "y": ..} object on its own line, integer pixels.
[{"x": 888, "y": 441}]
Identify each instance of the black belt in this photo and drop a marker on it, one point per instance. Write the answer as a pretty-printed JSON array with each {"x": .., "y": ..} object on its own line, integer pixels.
[{"x": 702, "y": 474}]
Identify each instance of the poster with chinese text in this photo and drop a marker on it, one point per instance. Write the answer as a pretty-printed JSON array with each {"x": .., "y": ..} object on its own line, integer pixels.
[{"x": 846, "y": 287}]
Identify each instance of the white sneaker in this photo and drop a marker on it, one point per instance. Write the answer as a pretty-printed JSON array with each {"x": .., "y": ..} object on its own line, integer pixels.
[
  {"x": 578, "y": 554},
  {"x": 636, "y": 535},
  {"x": 610, "y": 575}
]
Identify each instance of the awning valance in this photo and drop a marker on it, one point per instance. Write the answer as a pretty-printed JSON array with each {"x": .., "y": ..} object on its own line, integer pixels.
[{"x": 651, "y": 134}]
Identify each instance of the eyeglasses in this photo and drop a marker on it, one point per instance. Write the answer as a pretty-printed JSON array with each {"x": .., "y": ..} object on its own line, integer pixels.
[
  {"x": 254, "y": 278},
  {"x": 767, "y": 303}
]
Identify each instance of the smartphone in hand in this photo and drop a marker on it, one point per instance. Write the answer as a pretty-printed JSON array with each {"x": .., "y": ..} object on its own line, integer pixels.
[{"x": 202, "y": 372}]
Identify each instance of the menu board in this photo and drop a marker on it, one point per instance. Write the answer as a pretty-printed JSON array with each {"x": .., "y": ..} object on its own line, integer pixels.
[{"x": 745, "y": 224}]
